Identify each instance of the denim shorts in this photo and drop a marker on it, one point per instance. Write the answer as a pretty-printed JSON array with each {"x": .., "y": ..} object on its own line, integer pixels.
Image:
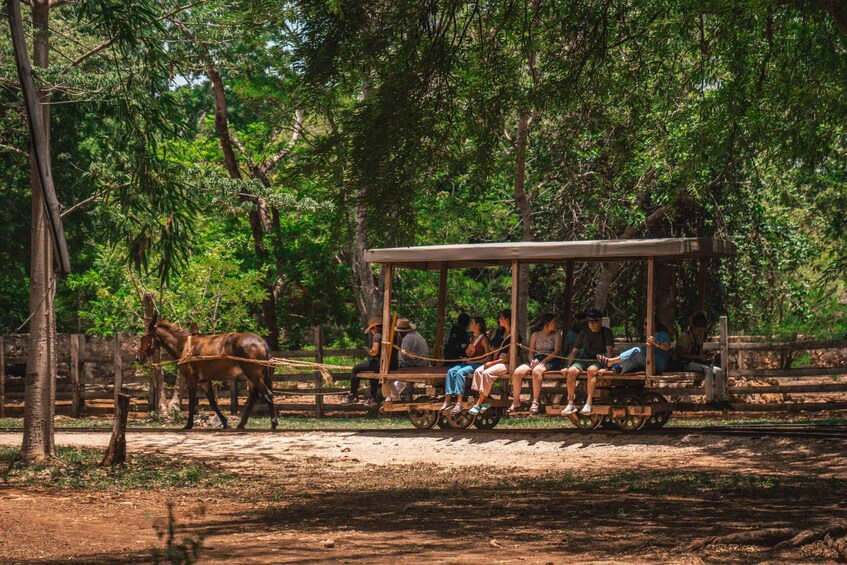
[{"x": 552, "y": 364}]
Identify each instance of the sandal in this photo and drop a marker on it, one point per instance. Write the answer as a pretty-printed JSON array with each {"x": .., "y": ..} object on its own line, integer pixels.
[
  {"x": 603, "y": 359},
  {"x": 533, "y": 410},
  {"x": 446, "y": 407},
  {"x": 457, "y": 409},
  {"x": 512, "y": 409}
]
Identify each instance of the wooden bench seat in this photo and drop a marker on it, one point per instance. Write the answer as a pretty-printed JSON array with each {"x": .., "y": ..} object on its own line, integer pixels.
[{"x": 437, "y": 374}]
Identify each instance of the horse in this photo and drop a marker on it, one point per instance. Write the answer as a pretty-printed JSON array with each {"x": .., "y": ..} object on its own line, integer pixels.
[{"x": 182, "y": 345}]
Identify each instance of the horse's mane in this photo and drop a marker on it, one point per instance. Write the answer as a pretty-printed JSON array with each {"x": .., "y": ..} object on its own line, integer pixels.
[{"x": 173, "y": 327}]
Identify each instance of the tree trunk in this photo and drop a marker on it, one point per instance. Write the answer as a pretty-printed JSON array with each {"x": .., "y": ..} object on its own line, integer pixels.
[
  {"x": 158, "y": 402},
  {"x": 116, "y": 452},
  {"x": 611, "y": 268},
  {"x": 259, "y": 217},
  {"x": 40, "y": 393},
  {"x": 367, "y": 288},
  {"x": 521, "y": 317}
]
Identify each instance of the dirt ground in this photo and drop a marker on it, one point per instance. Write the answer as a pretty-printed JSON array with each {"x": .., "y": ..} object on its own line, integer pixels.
[{"x": 439, "y": 496}]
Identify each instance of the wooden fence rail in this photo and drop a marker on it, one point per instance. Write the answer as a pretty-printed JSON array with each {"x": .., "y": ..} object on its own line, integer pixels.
[{"x": 140, "y": 387}]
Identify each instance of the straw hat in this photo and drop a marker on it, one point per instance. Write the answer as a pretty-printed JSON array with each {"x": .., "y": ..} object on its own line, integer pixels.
[
  {"x": 404, "y": 325},
  {"x": 373, "y": 322}
]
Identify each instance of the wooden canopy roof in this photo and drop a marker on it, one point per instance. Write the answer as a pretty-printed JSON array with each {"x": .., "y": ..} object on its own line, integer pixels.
[{"x": 434, "y": 257}]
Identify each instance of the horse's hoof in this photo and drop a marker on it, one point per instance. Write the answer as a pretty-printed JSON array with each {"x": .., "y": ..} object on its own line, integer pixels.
[
  {"x": 187, "y": 427},
  {"x": 240, "y": 427},
  {"x": 273, "y": 425}
]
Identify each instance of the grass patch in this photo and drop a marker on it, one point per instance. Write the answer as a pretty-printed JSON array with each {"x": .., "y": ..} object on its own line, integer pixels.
[
  {"x": 669, "y": 483},
  {"x": 77, "y": 468}
]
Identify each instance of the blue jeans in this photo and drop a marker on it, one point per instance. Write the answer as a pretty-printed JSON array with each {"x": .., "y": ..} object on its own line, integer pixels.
[
  {"x": 634, "y": 360},
  {"x": 455, "y": 382}
]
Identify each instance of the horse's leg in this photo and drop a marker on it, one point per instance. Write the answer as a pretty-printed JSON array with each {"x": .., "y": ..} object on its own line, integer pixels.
[
  {"x": 268, "y": 396},
  {"x": 213, "y": 402},
  {"x": 248, "y": 408},
  {"x": 191, "y": 386}
]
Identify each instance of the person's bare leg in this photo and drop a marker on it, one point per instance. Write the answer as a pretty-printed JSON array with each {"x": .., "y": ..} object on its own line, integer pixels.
[
  {"x": 537, "y": 378},
  {"x": 447, "y": 401},
  {"x": 517, "y": 383},
  {"x": 592, "y": 383},
  {"x": 573, "y": 373}
]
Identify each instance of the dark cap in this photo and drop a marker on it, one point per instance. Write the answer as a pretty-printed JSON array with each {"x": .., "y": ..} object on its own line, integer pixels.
[{"x": 595, "y": 314}]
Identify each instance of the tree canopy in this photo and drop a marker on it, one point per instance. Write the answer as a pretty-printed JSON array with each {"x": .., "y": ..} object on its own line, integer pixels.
[{"x": 236, "y": 156}]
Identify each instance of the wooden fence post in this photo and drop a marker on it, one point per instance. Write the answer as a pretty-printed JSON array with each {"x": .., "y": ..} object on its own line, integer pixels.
[
  {"x": 721, "y": 383},
  {"x": 319, "y": 358},
  {"x": 119, "y": 367},
  {"x": 2, "y": 378},
  {"x": 233, "y": 396},
  {"x": 76, "y": 397}
]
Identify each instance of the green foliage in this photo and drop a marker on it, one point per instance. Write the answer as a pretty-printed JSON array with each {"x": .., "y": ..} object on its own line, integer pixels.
[
  {"x": 78, "y": 469},
  {"x": 214, "y": 290},
  {"x": 645, "y": 119}
]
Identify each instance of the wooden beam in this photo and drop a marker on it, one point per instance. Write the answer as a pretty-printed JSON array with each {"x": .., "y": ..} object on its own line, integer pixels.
[
  {"x": 386, "y": 347},
  {"x": 438, "y": 349},
  {"x": 2, "y": 378},
  {"x": 788, "y": 373},
  {"x": 568, "y": 313},
  {"x": 76, "y": 402},
  {"x": 702, "y": 283},
  {"x": 319, "y": 358},
  {"x": 651, "y": 314},
  {"x": 721, "y": 384},
  {"x": 789, "y": 389},
  {"x": 513, "y": 344}
]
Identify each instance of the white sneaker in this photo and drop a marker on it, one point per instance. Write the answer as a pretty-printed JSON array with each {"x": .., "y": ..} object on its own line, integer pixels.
[
  {"x": 569, "y": 409},
  {"x": 586, "y": 410}
]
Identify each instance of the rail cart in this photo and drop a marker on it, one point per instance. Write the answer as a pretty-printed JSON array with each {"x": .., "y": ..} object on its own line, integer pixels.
[{"x": 628, "y": 401}]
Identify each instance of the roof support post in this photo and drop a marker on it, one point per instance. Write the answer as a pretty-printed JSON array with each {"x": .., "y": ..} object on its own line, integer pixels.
[
  {"x": 568, "y": 313},
  {"x": 386, "y": 348},
  {"x": 702, "y": 282},
  {"x": 438, "y": 348},
  {"x": 651, "y": 314},
  {"x": 513, "y": 343}
]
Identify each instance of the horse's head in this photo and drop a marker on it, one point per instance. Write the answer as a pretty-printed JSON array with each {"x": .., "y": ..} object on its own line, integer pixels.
[{"x": 149, "y": 342}]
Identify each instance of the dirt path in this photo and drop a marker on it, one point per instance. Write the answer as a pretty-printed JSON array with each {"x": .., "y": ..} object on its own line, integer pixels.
[{"x": 446, "y": 497}]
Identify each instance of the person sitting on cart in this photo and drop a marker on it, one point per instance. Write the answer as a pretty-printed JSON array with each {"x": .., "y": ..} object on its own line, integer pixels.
[
  {"x": 580, "y": 322},
  {"x": 594, "y": 340},
  {"x": 689, "y": 349},
  {"x": 485, "y": 375},
  {"x": 457, "y": 341},
  {"x": 374, "y": 332},
  {"x": 414, "y": 352},
  {"x": 635, "y": 359},
  {"x": 544, "y": 345},
  {"x": 477, "y": 353}
]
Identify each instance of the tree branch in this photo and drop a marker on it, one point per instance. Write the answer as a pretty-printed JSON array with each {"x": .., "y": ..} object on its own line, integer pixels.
[
  {"x": 295, "y": 135},
  {"x": 14, "y": 150},
  {"x": 109, "y": 42}
]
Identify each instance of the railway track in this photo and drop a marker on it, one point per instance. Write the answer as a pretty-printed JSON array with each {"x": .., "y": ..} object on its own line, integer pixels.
[{"x": 751, "y": 430}]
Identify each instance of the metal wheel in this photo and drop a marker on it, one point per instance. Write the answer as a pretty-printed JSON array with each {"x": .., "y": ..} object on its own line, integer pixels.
[
  {"x": 586, "y": 423},
  {"x": 608, "y": 424},
  {"x": 460, "y": 422},
  {"x": 488, "y": 419},
  {"x": 423, "y": 419},
  {"x": 629, "y": 422},
  {"x": 657, "y": 419}
]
